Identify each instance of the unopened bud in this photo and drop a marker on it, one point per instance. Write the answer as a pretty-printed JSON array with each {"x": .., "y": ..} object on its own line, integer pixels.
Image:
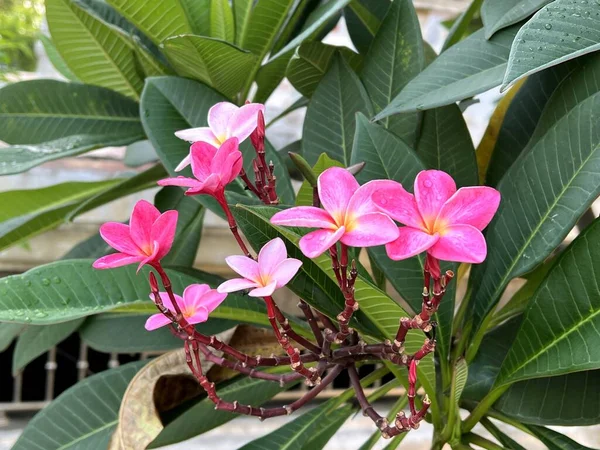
[
  {"x": 304, "y": 168},
  {"x": 153, "y": 282},
  {"x": 412, "y": 372}
]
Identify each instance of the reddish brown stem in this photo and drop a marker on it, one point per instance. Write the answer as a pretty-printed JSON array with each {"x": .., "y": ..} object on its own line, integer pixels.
[
  {"x": 220, "y": 197},
  {"x": 312, "y": 322}
]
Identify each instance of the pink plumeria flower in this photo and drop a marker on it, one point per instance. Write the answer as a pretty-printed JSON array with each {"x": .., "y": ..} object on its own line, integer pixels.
[
  {"x": 349, "y": 215},
  {"x": 198, "y": 301},
  {"x": 146, "y": 240},
  {"x": 273, "y": 270},
  {"x": 225, "y": 120},
  {"x": 439, "y": 219},
  {"x": 213, "y": 168}
]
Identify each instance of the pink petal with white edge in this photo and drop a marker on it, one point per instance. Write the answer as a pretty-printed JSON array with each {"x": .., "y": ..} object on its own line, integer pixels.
[
  {"x": 336, "y": 187},
  {"x": 271, "y": 255},
  {"x": 201, "y": 315},
  {"x": 201, "y": 134},
  {"x": 285, "y": 271},
  {"x": 246, "y": 267},
  {"x": 156, "y": 321},
  {"x": 265, "y": 291},
  {"x": 460, "y": 243},
  {"x": 370, "y": 230},
  {"x": 361, "y": 202},
  {"x": 115, "y": 260},
  {"x": 143, "y": 216},
  {"x": 392, "y": 199},
  {"x": 118, "y": 236},
  {"x": 304, "y": 216},
  {"x": 432, "y": 189},
  {"x": 184, "y": 163},
  {"x": 163, "y": 232},
  {"x": 219, "y": 117},
  {"x": 244, "y": 121},
  {"x": 236, "y": 284},
  {"x": 317, "y": 242},
  {"x": 202, "y": 156},
  {"x": 179, "y": 181},
  {"x": 410, "y": 242},
  {"x": 473, "y": 206}
]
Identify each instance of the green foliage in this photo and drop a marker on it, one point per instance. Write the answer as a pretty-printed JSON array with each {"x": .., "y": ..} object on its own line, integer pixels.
[{"x": 19, "y": 22}]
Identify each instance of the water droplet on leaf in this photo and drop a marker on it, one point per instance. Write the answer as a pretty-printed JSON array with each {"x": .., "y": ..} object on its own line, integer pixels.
[{"x": 548, "y": 26}]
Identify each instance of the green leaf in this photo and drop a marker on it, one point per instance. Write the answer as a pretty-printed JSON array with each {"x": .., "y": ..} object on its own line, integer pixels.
[
  {"x": 461, "y": 374},
  {"x": 395, "y": 57},
  {"x": 269, "y": 76},
  {"x": 214, "y": 62},
  {"x": 202, "y": 416},
  {"x": 546, "y": 32},
  {"x": 8, "y": 332},
  {"x": 81, "y": 37},
  {"x": 37, "y": 111},
  {"x": 500, "y": 436},
  {"x": 70, "y": 289},
  {"x": 57, "y": 61},
  {"x": 155, "y": 18},
  {"x": 445, "y": 143},
  {"x": 318, "y": 18},
  {"x": 461, "y": 25},
  {"x": 241, "y": 15},
  {"x": 148, "y": 64},
  {"x": 221, "y": 20},
  {"x": 198, "y": 14},
  {"x": 305, "y": 194},
  {"x": 20, "y": 158},
  {"x": 498, "y": 15},
  {"x": 327, "y": 427},
  {"x": 27, "y": 213},
  {"x": 559, "y": 333},
  {"x": 266, "y": 19},
  {"x": 139, "y": 153},
  {"x": 37, "y": 340},
  {"x": 311, "y": 62},
  {"x": 330, "y": 118},
  {"x": 82, "y": 417},
  {"x": 469, "y": 67},
  {"x": 521, "y": 118},
  {"x": 363, "y": 19},
  {"x": 556, "y": 441},
  {"x": 170, "y": 104},
  {"x": 543, "y": 195}
]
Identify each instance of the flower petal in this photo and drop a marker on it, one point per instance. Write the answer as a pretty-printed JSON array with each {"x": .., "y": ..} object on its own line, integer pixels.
[
  {"x": 264, "y": 291},
  {"x": 179, "y": 181},
  {"x": 432, "y": 189},
  {"x": 202, "y": 156},
  {"x": 361, "y": 202},
  {"x": 118, "y": 236},
  {"x": 460, "y": 243},
  {"x": 392, "y": 199},
  {"x": 246, "y": 267},
  {"x": 212, "y": 299},
  {"x": 163, "y": 232},
  {"x": 317, "y": 242},
  {"x": 410, "y": 242},
  {"x": 156, "y": 321},
  {"x": 166, "y": 300},
  {"x": 192, "y": 295},
  {"x": 184, "y": 163},
  {"x": 143, "y": 216},
  {"x": 201, "y": 134},
  {"x": 474, "y": 206},
  {"x": 221, "y": 164},
  {"x": 115, "y": 260},
  {"x": 370, "y": 230},
  {"x": 304, "y": 216},
  {"x": 285, "y": 271},
  {"x": 270, "y": 256},
  {"x": 336, "y": 187},
  {"x": 219, "y": 117},
  {"x": 201, "y": 315},
  {"x": 236, "y": 284},
  {"x": 243, "y": 121}
]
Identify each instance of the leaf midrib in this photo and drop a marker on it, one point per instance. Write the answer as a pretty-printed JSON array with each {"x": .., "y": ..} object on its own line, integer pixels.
[{"x": 87, "y": 435}]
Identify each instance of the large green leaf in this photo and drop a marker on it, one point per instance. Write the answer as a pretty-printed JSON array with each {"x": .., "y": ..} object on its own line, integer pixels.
[
  {"x": 311, "y": 62},
  {"x": 202, "y": 416},
  {"x": 497, "y": 15},
  {"x": 266, "y": 19},
  {"x": 27, "y": 213},
  {"x": 559, "y": 32},
  {"x": 559, "y": 333},
  {"x": 469, "y": 67},
  {"x": 522, "y": 117},
  {"x": 81, "y": 37},
  {"x": 330, "y": 118},
  {"x": 170, "y": 104},
  {"x": 241, "y": 15},
  {"x": 214, "y": 62},
  {"x": 327, "y": 427},
  {"x": 37, "y": 111},
  {"x": 221, "y": 20},
  {"x": 198, "y": 14},
  {"x": 37, "y": 340},
  {"x": 269, "y": 76},
  {"x": 83, "y": 417},
  {"x": 70, "y": 289},
  {"x": 544, "y": 192},
  {"x": 363, "y": 19},
  {"x": 395, "y": 57},
  {"x": 556, "y": 441},
  {"x": 157, "y": 19},
  {"x": 57, "y": 61},
  {"x": 445, "y": 143},
  {"x": 8, "y": 332}
]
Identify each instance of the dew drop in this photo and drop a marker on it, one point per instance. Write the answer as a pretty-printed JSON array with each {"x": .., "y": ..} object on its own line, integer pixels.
[
  {"x": 56, "y": 280},
  {"x": 40, "y": 314},
  {"x": 27, "y": 319},
  {"x": 27, "y": 283},
  {"x": 383, "y": 201},
  {"x": 548, "y": 26},
  {"x": 45, "y": 281}
]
